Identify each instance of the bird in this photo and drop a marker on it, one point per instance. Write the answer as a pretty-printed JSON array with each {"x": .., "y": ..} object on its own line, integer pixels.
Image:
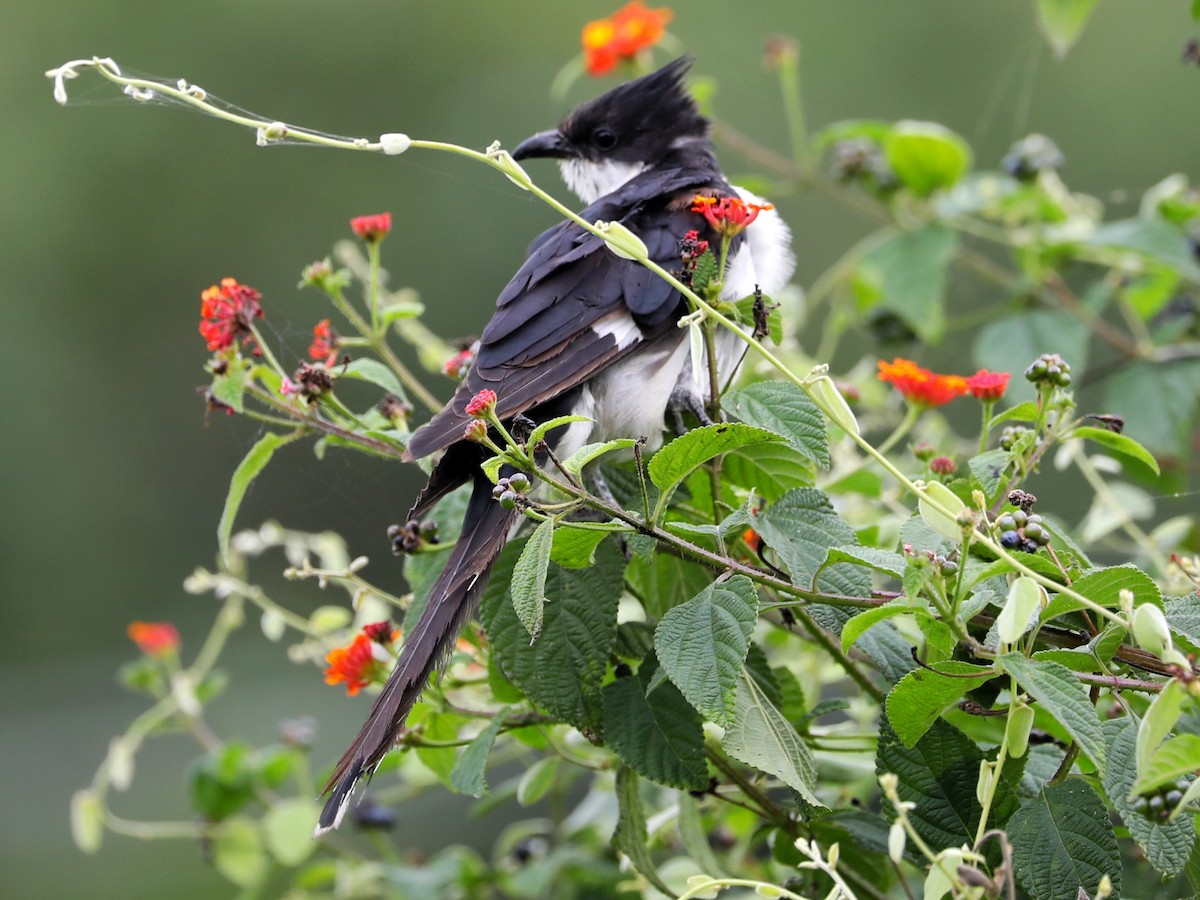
[{"x": 578, "y": 330}]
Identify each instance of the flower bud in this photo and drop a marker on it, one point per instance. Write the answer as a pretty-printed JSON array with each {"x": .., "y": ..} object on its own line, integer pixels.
[
  {"x": 1150, "y": 629},
  {"x": 622, "y": 241},
  {"x": 395, "y": 143}
]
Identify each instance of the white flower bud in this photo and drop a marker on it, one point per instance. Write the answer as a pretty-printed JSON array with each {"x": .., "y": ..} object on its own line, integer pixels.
[
  {"x": 839, "y": 410},
  {"x": 897, "y": 838},
  {"x": 1150, "y": 629},
  {"x": 622, "y": 241}
]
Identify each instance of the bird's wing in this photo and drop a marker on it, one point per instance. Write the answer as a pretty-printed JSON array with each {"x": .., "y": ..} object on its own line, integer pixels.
[{"x": 574, "y": 308}]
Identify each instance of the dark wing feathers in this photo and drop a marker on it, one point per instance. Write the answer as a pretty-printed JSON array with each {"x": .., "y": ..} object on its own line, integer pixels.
[{"x": 540, "y": 343}]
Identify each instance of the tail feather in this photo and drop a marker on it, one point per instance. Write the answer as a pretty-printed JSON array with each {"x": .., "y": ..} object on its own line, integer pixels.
[{"x": 452, "y": 599}]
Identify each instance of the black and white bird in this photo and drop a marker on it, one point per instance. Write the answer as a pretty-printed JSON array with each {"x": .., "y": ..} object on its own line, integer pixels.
[{"x": 578, "y": 330}]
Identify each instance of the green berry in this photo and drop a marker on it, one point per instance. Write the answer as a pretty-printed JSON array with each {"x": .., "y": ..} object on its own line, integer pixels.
[
  {"x": 508, "y": 500},
  {"x": 1034, "y": 532},
  {"x": 1006, "y": 523}
]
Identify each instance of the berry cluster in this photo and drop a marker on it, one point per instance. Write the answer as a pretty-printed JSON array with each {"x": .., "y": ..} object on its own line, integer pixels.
[
  {"x": 1159, "y": 805},
  {"x": 1021, "y": 530},
  {"x": 1050, "y": 370},
  {"x": 411, "y": 536},
  {"x": 1010, "y": 435},
  {"x": 508, "y": 491}
]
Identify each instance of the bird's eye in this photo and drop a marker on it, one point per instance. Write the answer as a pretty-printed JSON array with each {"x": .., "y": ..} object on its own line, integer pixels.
[{"x": 604, "y": 139}]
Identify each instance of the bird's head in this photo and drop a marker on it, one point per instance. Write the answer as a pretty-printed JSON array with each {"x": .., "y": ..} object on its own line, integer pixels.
[{"x": 609, "y": 140}]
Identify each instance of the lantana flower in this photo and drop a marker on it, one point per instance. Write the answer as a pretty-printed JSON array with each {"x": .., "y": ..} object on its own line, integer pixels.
[
  {"x": 621, "y": 36},
  {"x": 364, "y": 660},
  {"x": 372, "y": 229},
  {"x": 325, "y": 342},
  {"x": 988, "y": 386},
  {"x": 920, "y": 386},
  {"x": 227, "y": 312},
  {"x": 728, "y": 215},
  {"x": 481, "y": 404},
  {"x": 154, "y": 638}
]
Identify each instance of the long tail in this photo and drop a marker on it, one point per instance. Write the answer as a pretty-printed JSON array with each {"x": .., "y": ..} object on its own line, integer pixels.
[{"x": 452, "y": 600}]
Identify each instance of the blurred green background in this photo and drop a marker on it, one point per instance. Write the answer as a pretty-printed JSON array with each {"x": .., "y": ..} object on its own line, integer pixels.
[{"x": 115, "y": 216}]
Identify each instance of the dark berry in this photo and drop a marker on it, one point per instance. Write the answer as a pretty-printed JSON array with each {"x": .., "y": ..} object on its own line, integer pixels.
[{"x": 1010, "y": 540}]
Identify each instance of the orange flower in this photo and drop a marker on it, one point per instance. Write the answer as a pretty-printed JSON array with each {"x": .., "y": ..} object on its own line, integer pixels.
[
  {"x": 227, "y": 313},
  {"x": 154, "y": 638},
  {"x": 372, "y": 229},
  {"x": 919, "y": 386},
  {"x": 728, "y": 215},
  {"x": 988, "y": 386},
  {"x": 324, "y": 346},
  {"x": 622, "y": 35},
  {"x": 355, "y": 665}
]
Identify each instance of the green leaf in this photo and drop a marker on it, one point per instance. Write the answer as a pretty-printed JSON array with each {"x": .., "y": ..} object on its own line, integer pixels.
[
  {"x": 1025, "y": 596},
  {"x": 1024, "y": 337},
  {"x": 537, "y": 780},
  {"x": 563, "y": 670},
  {"x": 926, "y": 156},
  {"x": 1118, "y": 443},
  {"x": 782, "y": 408},
  {"x": 906, "y": 275},
  {"x": 467, "y": 777},
  {"x": 674, "y": 462},
  {"x": 630, "y": 838},
  {"x": 944, "y": 523},
  {"x": 761, "y": 737},
  {"x": 1152, "y": 238},
  {"x": 1063, "y": 843},
  {"x": 1158, "y": 402},
  {"x": 694, "y": 836},
  {"x": 575, "y": 548},
  {"x": 87, "y": 821},
  {"x": 745, "y": 311},
  {"x": 1177, "y": 756},
  {"x": 939, "y": 774},
  {"x": 1196, "y": 10},
  {"x": 1022, "y": 412},
  {"x": 664, "y": 581},
  {"x": 862, "y": 622},
  {"x": 655, "y": 732},
  {"x": 287, "y": 829},
  {"x": 238, "y": 853},
  {"x": 885, "y": 561},
  {"x": 1165, "y": 845},
  {"x": 248, "y": 469},
  {"x": 800, "y": 528},
  {"x": 230, "y": 387},
  {"x": 367, "y": 369},
  {"x": 1103, "y": 587},
  {"x": 702, "y": 644},
  {"x": 770, "y": 470},
  {"x": 589, "y": 452},
  {"x": 1183, "y": 615},
  {"x": 539, "y": 434},
  {"x": 920, "y": 697},
  {"x": 1062, "y": 696},
  {"x": 988, "y": 468},
  {"x": 439, "y": 728},
  {"x": 529, "y": 578},
  {"x": 1062, "y": 21}
]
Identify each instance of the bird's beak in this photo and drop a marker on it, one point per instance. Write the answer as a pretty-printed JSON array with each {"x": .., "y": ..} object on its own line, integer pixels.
[{"x": 544, "y": 144}]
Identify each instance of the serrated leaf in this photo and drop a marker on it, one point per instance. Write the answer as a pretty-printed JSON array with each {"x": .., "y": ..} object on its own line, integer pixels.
[
  {"x": 920, "y": 697},
  {"x": 248, "y": 469},
  {"x": 287, "y": 829},
  {"x": 906, "y": 275},
  {"x": 664, "y": 581},
  {"x": 1061, "y": 695},
  {"x": 761, "y": 737},
  {"x": 1022, "y": 412},
  {"x": 563, "y": 670},
  {"x": 468, "y": 774},
  {"x": 1063, "y": 843},
  {"x": 862, "y": 622},
  {"x": 1118, "y": 443},
  {"x": 654, "y": 731},
  {"x": 238, "y": 852},
  {"x": 1165, "y": 845},
  {"x": 782, "y": 408},
  {"x": 674, "y": 462},
  {"x": 800, "y": 528},
  {"x": 1183, "y": 616},
  {"x": 591, "y": 452},
  {"x": 988, "y": 469},
  {"x": 939, "y": 774},
  {"x": 702, "y": 644},
  {"x": 1177, "y": 756},
  {"x": 87, "y": 821},
  {"x": 528, "y": 584},
  {"x": 1103, "y": 587},
  {"x": 575, "y": 548},
  {"x": 229, "y": 388},
  {"x": 375, "y": 372},
  {"x": 1062, "y": 21},
  {"x": 770, "y": 470},
  {"x": 885, "y": 561},
  {"x": 631, "y": 835}
]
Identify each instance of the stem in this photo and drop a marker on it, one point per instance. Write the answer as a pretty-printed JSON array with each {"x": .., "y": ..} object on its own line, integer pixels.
[
  {"x": 911, "y": 415},
  {"x": 986, "y": 427}
]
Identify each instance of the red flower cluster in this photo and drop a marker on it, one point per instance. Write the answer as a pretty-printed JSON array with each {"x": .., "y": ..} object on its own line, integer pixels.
[
  {"x": 988, "y": 386},
  {"x": 154, "y": 638},
  {"x": 481, "y": 404},
  {"x": 324, "y": 346},
  {"x": 372, "y": 229},
  {"x": 460, "y": 363},
  {"x": 622, "y": 35},
  {"x": 356, "y": 665},
  {"x": 925, "y": 388},
  {"x": 227, "y": 313},
  {"x": 728, "y": 215}
]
